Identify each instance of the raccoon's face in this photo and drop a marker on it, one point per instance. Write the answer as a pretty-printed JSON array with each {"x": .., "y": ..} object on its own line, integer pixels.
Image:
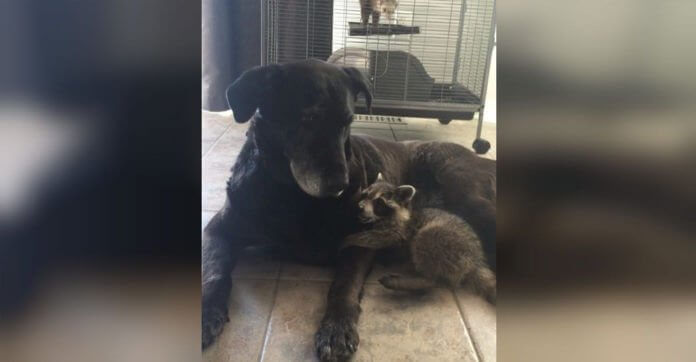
[
  {"x": 388, "y": 7},
  {"x": 384, "y": 201}
]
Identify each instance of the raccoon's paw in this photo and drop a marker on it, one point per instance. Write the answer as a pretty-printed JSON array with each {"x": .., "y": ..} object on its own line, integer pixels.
[
  {"x": 391, "y": 281},
  {"x": 408, "y": 284}
]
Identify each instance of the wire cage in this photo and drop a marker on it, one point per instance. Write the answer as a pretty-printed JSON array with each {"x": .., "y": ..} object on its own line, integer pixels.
[{"x": 430, "y": 58}]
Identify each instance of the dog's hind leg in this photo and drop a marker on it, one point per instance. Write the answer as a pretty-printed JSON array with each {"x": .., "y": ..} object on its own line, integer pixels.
[
  {"x": 337, "y": 337},
  {"x": 412, "y": 284},
  {"x": 479, "y": 212},
  {"x": 468, "y": 203}
]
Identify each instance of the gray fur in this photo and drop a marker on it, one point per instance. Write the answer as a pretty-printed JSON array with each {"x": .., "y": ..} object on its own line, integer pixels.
[
  {"x": 444, "y": 250},
  {"x": 376, "y": 8}
]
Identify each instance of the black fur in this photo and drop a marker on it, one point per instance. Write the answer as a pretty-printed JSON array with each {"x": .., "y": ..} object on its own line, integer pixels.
[{"x": 298, "y": 157}]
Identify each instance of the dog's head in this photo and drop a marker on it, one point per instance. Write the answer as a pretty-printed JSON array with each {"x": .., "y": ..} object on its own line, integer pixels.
[{"x": 304, "y": 113}]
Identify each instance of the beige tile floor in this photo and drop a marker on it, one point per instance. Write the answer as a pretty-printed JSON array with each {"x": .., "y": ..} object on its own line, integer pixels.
[{"x": 275, "y": 307}]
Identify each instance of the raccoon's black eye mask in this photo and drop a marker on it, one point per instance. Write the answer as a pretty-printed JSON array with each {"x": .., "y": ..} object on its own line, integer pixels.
[{"x": 380, "y": 207}]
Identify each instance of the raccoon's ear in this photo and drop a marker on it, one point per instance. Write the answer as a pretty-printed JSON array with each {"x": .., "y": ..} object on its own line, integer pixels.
[
  {"x": 404, "y": 193},
  {"x": 245, "y": 94},
  {"x": 379, "y": 177}
]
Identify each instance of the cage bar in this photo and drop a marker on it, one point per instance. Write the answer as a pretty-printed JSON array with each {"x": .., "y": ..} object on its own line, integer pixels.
[{"x": 430, "y": 60}]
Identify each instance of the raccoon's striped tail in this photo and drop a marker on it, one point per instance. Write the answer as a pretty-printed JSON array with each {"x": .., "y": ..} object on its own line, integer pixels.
[{"x": 483, "y": 282}]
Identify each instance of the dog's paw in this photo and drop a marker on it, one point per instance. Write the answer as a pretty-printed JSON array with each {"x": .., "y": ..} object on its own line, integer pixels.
[
  {"x": 213, "y": 320},
  {"x": 337, "y": 339}
]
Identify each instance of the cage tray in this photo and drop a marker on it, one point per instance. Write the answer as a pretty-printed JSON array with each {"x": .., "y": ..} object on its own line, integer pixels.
[{"x": 381, "y": 29}]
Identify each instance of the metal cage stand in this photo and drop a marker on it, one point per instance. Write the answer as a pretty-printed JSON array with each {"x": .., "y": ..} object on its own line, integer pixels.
[
  {"x": 480, "y": 145},
  {"x": 403, "y": 84}
]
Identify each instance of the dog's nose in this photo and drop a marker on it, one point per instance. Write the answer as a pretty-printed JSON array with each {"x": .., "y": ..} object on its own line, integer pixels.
[{"x": 337, "y": 187}]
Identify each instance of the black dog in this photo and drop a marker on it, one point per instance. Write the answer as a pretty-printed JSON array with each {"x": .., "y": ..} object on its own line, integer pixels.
[{"x": 295, "y": 178}]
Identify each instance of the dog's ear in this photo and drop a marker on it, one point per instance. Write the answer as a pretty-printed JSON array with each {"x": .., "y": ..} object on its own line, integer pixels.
[
  {"x": 245, "y": 94},
  {"x": 404, "y": 193},
  {"x": 360, "y": 84},
  {"x": 348, "y": 148}
]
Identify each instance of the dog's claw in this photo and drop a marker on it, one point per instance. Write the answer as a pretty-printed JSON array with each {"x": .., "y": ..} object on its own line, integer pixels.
[{"x": 324, "y": 353}]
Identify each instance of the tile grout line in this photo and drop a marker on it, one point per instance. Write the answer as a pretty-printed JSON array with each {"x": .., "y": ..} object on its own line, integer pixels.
[
  {"x": 473, "y": 343},
  {"x": 217, "y": 140},
  {"x": 267, "y": 331},
  {"x": 203, "y": 159},
  {"x": 393, "y": 133}
]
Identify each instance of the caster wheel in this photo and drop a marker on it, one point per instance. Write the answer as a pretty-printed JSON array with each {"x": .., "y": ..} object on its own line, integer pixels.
[
  {"x": 481, "y": 146},
  {"x": 445, "y": 120}
]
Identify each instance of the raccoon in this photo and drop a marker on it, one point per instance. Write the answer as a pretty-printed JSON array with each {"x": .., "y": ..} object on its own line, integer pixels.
[
  {"x": 443, "y": 249},
  {"x": 376, "y": 8}
]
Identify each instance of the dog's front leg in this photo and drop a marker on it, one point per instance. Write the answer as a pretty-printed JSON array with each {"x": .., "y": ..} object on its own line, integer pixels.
[
  {"x": 337, "y": 338},
  {"x": 219, "y": 254}
]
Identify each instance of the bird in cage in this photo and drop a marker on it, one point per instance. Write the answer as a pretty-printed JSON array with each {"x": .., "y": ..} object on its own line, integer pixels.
[{"x": 376, "y": 8}]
